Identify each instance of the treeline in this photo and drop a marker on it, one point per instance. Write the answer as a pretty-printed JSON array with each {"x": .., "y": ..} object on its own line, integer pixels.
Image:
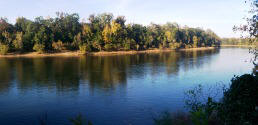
[
  {"x": 239, "y": 41},
  {"x": 101, "y": 32}
]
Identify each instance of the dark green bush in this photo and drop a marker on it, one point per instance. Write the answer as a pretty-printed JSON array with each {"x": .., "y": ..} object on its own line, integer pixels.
[
  {"x": 178, "y": 118},
  {"x": 239, "y": 105},
  {"x": 79, "y": 120}
]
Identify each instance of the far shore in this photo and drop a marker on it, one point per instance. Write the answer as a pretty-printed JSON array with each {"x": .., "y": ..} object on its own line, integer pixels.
[
  {"x": 101, "y": 53},
  {"x": 237, "y": 45}
]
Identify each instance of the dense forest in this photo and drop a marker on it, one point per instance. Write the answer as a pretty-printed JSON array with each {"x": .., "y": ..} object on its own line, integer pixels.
[
  {"x": 101, "y": 32},
  {"x": 239, "y": 41}
]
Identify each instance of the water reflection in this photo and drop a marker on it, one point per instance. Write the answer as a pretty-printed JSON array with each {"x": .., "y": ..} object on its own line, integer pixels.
[{"x": 68, "y": 73}]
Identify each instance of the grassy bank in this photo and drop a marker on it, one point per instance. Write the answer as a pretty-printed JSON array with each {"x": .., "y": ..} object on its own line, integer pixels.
[{"x": 102, "y": 53}]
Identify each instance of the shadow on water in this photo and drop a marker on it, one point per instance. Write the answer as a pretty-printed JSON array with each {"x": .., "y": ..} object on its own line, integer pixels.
[{"x": 67, "y": 73}]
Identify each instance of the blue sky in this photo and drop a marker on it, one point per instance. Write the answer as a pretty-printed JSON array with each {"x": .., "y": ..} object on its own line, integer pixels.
[{"x": 217, "y": 15}]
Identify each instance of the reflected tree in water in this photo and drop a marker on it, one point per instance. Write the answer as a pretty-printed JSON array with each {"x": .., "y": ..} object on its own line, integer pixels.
[{"x": 102, "y": 72}]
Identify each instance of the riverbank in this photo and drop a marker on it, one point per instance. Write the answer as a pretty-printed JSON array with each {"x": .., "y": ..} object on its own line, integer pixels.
[
  {"x": 102, "y": 53},
  {"x": 238, "y": 46}
]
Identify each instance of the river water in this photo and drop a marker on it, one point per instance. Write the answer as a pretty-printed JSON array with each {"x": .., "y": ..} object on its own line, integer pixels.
[{"x": 117, "y": 90}]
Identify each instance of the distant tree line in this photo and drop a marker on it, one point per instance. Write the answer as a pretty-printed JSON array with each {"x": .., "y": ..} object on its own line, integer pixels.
[
  {"x": 239, "y": 41},
  {"x": 101, "y": 32}
]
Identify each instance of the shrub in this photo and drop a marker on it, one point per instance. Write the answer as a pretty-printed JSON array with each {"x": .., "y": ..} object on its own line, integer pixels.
[
  {"x": 85, "y": 48},
  {"x": 17, "y": 45},
  {"x": 18, "y": 41},
  {"x": 108, "y": 47},
  {"x": 3, "y": 49},
  {"x": 96, "y": 45},
  {"x": 68, "y": 46},
  {"x": 79, "y": 120},
  {"x": 127, "y": 46},
  {"x": 239, "y": 105},
  {"x": 200, "y": 117},
  {"x": 178, "y": 118},
  {"x": 203, "y": 110},
  {"x": 174, "y": 45},
  {"x": 188, "y": 46},
  {"x": 39, "y": 48},
  {"x": 58, "y": 46},
  {"x": 240, "y": 102}
]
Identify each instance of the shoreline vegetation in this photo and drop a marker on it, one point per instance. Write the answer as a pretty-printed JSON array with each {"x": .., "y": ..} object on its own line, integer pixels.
[
  {"x": 101, "y": 53},
  {"x": 252, "y": 46},
  {"x": 204, "y": 109},
  {"x": 102, "y": 33},
  {"x": 250, "y": 42},
  {"x": 110, "y": 53}
]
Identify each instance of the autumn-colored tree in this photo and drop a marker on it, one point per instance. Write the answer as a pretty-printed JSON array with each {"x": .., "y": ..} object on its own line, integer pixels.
[
  {"x": 18, "y": 41},
  {"x": 195, "y": 41}
]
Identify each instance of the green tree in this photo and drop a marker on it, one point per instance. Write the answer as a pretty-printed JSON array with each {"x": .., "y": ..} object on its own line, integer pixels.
[
  {"x": 43, "y": 37},
  {"x": 101, "y": 31}
]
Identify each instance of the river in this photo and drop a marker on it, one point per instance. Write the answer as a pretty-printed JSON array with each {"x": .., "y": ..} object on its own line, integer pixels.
[{"x": 117, "y": 90}]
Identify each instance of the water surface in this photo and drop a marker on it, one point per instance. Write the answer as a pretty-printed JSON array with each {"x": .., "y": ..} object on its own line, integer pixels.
[{"x": 117, "y": 90}]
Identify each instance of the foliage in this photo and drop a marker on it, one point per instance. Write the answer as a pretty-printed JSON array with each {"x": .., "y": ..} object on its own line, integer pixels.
[
  {"x": 192, "y": 99},
  {"x": 203, "y": 108},
  {"x": 108, "y": 47},
  {"x": 3, "y": 49},
  {"x": 173, "y": 119},
  {"x": 7, "y": 38},
  {"x": 199, "y": 117},
  {"x": 85, "y": 48},
  {"x": 239, "y": 105},
  {"x": 78, "y": 120},
  {"x": 127, "y": 46},
  {"x": 18, "y": 42},
  {"x": 239, "y": 41},
  {"x": 251, "y": 27},
  {"x": 39, "y": 48},
  {"x": 58, "y": 46},
  {"x": 195, "y": 40},
  {"x": 102, "y": 32}
]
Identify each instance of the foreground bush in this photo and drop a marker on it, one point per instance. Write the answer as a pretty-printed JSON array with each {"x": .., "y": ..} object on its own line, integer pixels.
[
  {"x": 79, "y": 120},
  {"x": 179, "y": 118},
  {"x": 239, "y": 105},
  {"x": 3, "y": 49}
]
